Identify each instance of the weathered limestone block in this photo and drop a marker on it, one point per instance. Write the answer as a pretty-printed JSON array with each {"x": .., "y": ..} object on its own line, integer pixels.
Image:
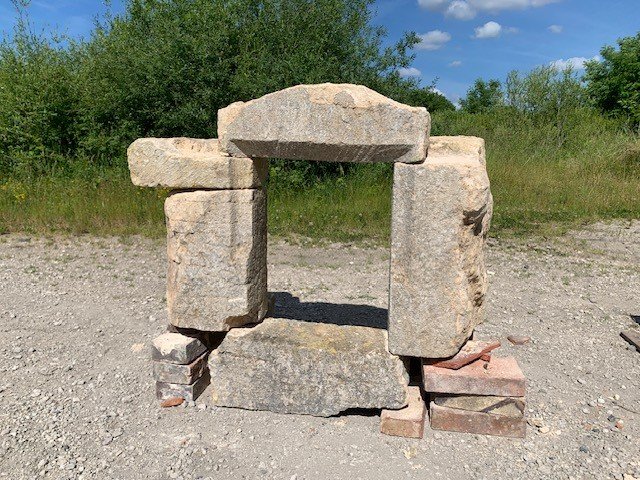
[
  {"x": 217, "y": 249},
  {"x": 182, "y": 374},
  {"x": 291, "y": 366},
  {"x": 191, "y": 163},
  {"x": 326, "y": 122},
  {"x": 176, "y": 348},
  {"x": 441, "y": 214}
]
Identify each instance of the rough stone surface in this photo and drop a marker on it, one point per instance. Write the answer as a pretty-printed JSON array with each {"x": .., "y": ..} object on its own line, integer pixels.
[
  {"x": 507, "y": 406},
  {"x": 217, "y": 249},
  {"x": 454, "y": 420},
  {"x": 441, "y": 215},
  {"x": 327, "y": 122},
  {"x": 291, "y": 366},
  {"x": 500, "y": 377},
  {"x": 184, "y": 374},
  {"x": 470, "y": 352},
  {"x": 176, "y": 348},
  {"x": 191, "y": 163},
  {"x": 408, "y": 421},
  {"x": 190, "y": 393}
]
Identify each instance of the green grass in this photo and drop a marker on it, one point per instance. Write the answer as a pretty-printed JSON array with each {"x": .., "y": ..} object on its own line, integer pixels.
[{"x": 540, "y": 187}]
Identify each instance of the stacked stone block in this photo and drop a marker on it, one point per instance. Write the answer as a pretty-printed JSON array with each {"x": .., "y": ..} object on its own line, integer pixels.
[
  {"x": 216, "y": 230},
  {"x": 179, "y": 366},
  {"x": 217, "y": 272}
]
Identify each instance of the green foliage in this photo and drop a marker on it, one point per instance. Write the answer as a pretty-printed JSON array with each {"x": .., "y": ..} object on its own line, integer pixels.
[
  {"x": 614, "y": 82},
  {"x": 550, "y": 99},
  {"x": 428, "y": 98},
  {"x": 483, "y": 96},
  {"x": 38, "y": 102},
  {"x": 165, "y": 67}
]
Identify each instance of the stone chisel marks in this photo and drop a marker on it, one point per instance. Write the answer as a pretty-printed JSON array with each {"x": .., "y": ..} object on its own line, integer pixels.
[
  {"x": 327, "y": 122},
  {"x": 501, "y": 377},
  {"x": 470, "y": 352},
  {"x": 407, "y": 422}
]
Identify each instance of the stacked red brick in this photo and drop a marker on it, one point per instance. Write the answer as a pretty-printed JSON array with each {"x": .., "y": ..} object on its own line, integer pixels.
[{"x": 475, "y": 395}]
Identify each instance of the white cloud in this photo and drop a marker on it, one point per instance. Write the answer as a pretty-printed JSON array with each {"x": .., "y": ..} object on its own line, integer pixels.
[
  {"x": 555, "y": 28},
  {"x": 460, "y": 10},
  {"x": 576, "y": 63},
  {"x": 488, "y": 30},
  {"x": 468, "y": 9},
  {"x": 433, "y": 40},
  {"x": 455, "y": 63},
  {"x": 409, "y": 72}
]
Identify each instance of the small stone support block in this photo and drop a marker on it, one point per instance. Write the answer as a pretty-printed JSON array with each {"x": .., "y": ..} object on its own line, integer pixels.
[
  {"x": 500, "y": 377},
  {"x": 465, "y": 421},
  {"x": 441, "y": 214},
  {"x": 190, "y": 393},
  {"x": 217, "y": 252},
  {"x": 183, "y": 374},
  {"x": 407, "y": 422},
  {"x": 177, "y": 349}
]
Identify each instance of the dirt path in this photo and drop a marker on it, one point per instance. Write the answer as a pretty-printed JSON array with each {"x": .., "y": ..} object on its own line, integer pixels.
[{"x": 76, "y": 393}]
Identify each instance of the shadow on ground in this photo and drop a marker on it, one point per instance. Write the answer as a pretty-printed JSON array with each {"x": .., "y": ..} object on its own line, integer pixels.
[{"x": 290, "y": 307}]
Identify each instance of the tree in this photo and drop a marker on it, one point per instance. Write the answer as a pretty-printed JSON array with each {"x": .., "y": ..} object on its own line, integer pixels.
[
  {"x": 164, "y": 68},
  {"x": 483, "y": 96},
  {"x": 427, "y": 97},
  {"x": 614, "y": 82}
]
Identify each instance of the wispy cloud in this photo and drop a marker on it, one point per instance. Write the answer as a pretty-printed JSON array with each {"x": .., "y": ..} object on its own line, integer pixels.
[
  {"x": 409, "y": 72},
  {"x": 433, "y": 40},
  {"x": 455, "y": 63},
  {"x": 576, "y": 63},
  {"x": 468, "y": 9},
  {"x": 555, "y": 28}
]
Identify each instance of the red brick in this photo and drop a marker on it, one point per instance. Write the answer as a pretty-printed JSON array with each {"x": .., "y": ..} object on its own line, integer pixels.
[
  {"x": 470, "y": 352},
  {"x": 407, "y": 422},
  {"x": 501, "y": 377},
  {"x": 464, "y": 421}
]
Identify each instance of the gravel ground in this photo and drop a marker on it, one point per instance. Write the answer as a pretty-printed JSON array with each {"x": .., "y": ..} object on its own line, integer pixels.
[{"x": 77, "y": 316}]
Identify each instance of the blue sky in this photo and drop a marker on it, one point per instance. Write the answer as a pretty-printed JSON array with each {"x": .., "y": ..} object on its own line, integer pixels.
[{"x": 462, "y": 39}]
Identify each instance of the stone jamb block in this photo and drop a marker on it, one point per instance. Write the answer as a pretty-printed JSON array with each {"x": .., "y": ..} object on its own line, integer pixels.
[
  {"x": 217, "y": 250},
  {"x": 440, "y": 219}
]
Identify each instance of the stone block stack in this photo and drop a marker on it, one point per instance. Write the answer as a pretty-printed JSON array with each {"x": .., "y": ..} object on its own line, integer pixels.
[
  {"x": 179, "y": 366},
  {"x": 217, "y": 268}
]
